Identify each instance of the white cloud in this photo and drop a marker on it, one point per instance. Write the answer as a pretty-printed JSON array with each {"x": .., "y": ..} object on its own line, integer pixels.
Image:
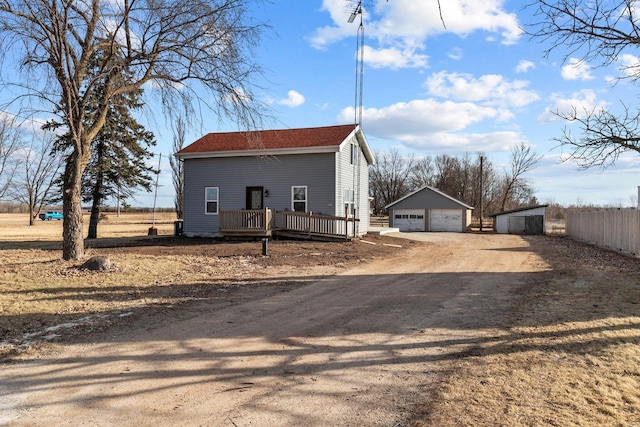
[
  {"x": 629, "y": 65},
  {"x": 427, "y": 115},
  {"x": 324, "y": 36},
  {"x": 580, "y": 102},
  {"x": 576, "y": 69},
  {"x": 455, "y": 54},
  {"x": 293, "y": 99},
  {"x": 416, "y": 20},
  {"x": 491, "y": 89},
  {"x": 394, "y": 58},
  {"x": 30, "y": 125},
  {"x": 429, "y": 122},
  {"x": 524, "y": 66},
  {"x": 463, "y": 142},
  {"x": 401, "y": 27}
]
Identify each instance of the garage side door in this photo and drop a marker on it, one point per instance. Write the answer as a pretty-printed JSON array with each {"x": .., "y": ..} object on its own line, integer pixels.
[
  {"x": 446, "y": 220},
  {"x": 409, "y": 219}
]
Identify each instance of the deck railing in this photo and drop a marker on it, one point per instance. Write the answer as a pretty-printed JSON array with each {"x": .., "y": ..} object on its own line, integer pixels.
[
  {"x": 267, "y": 221},
  {"x": 246, "y": 221}
]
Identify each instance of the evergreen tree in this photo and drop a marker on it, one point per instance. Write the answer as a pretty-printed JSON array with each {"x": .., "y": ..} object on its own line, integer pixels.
[{"x": 117, "y": 166}]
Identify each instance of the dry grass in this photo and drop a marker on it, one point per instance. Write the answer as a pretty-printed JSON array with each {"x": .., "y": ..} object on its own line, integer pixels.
[
  {"x": 38, "y": 290},
  {"x": 567, "y": 355},
  {"x": 14, "y": 227}
]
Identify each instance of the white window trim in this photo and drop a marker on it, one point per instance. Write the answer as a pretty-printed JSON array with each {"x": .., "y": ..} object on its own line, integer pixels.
[
  {"x": 306, "y": 197},
  {"x": 207, "y": 201},
  {"x": 349, "y": 198}
]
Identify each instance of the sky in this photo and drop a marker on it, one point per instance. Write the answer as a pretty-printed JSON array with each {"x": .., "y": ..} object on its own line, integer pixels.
[{"x": 475, "y": 83}]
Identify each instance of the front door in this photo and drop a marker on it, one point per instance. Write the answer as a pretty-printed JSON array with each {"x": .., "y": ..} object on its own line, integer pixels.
[{"x": 254, "y": 197}]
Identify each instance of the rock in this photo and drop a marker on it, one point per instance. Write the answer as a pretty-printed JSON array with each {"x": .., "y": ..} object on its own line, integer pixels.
[{"x": 97, "y": 263}]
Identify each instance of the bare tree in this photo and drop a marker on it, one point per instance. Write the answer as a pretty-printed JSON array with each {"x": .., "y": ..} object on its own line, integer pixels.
[
  {"x": 10, "y": 142},
  {"x": 394, "y": 176},
  {"x": 181, "y": 46},
  {"x": 389, "y": 178},
  {"x": 34, "y": 182},
  {"x": 421, "y": 173},
  {"x": 176, "y": 165},
  {"x": 446, "y": 177},
  {"x": 516, "y": 187},
  {"x": 599, "y": 31},
  {"x": 466, "y": 175}
]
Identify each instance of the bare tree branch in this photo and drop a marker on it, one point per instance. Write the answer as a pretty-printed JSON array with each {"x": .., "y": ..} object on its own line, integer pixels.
[
  {"x": 596, "y": 31},
  {"x": 191, "y": 53},
  {"x": 35, "y": 180},
  {"x": 10, "y": 143},
  {"x": 516, "y": 188}
]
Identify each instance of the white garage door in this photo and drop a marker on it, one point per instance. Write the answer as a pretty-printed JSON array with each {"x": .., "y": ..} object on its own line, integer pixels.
[
  {"x": 409, "y": 219},
  {"x": 445, "y": 220}
]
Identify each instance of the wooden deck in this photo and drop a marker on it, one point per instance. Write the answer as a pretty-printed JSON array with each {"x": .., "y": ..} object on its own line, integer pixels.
[
  {"x": 301, "y": 225},
  {"x": 250, "y": 223}
]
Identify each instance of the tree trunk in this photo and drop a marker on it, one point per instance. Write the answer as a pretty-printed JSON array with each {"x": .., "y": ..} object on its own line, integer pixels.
[
  {"x": 72, "y": 241},
  {"x": 506, "y": 195},
  {"x": 179, "y": 204},
  {"x": 95, "y": 208},
  {"x": 93, "y": 220},
  {"x": 96, "y": 194}
]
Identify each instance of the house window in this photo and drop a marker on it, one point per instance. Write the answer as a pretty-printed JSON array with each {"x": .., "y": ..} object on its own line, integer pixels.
[
  {"x": 349, "y": 206},
  {"x": 354, "y": 154},
  {"x": 299, "y": 199},
  {"x": 211, "y": 200}
]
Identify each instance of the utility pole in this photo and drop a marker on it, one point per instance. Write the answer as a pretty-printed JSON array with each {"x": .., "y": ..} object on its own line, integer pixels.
[
  {"x": 153, "y": 230},
  {"x": 481, "y": 190}
]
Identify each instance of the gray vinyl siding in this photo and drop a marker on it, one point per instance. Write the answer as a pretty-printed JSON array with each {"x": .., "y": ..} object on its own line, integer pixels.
[
  {"x": 427, "y": 199},
  {"x": 347, "y": 178},
  {"x": 232, "y": 175}
]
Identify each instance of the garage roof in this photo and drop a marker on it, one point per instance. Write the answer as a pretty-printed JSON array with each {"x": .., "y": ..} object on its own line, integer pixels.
[
  {"x": 435, "y": 190},
  {"x": 527, "y": 208}
]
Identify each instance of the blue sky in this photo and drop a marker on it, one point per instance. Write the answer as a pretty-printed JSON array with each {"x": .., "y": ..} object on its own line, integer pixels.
[{"x": 479, "y": 84}]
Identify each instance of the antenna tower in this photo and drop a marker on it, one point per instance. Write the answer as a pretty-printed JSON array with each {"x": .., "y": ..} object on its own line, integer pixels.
[{"x": 359, "y": 87}]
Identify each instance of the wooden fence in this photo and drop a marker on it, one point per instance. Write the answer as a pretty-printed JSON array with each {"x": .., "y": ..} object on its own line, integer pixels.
[{"x": 617, "y": 229}]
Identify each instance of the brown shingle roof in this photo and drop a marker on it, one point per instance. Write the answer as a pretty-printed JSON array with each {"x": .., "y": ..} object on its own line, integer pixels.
[{"x": 270, "y": 139}]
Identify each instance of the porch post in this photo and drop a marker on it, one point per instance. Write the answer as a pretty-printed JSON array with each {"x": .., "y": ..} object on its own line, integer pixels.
[
  {"x": 346, "y": 222},
  {"x": 355, "y": 214}
]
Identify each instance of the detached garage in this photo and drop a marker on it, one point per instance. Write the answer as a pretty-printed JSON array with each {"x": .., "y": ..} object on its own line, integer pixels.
[
  {"x": 529, "y": 220},
  {"x": 429, "y": 209}
]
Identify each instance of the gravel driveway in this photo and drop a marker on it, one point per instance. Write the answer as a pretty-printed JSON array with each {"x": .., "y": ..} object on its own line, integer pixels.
[{"x": 360, "y": 348}]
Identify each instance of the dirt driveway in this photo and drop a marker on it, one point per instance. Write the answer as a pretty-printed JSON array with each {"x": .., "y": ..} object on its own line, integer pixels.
[{"x": 366, "y": 347}]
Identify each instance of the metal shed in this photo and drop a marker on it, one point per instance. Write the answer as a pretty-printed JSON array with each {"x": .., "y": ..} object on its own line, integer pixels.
[
  {"x": 528, "y": 220},
  {"x": 429, "y": 209}
]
